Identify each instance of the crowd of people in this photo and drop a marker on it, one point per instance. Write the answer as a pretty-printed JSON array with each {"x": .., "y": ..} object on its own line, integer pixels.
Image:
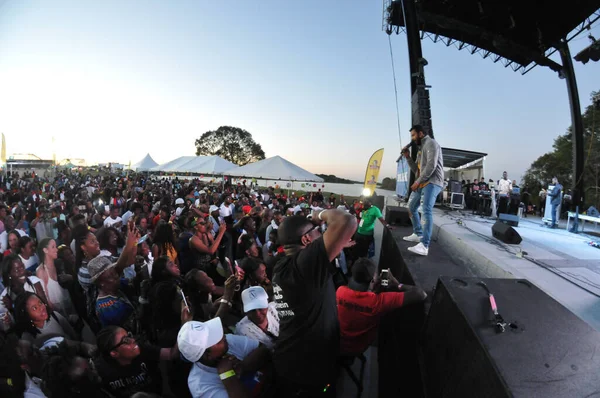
[{"x": 136, "y": 286}]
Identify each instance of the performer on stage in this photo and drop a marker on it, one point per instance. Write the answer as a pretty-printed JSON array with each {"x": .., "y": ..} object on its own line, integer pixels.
[
  {"x": 504, "y": 190},
  {"x": 556, "y": 196},
  {"x": 429, "y": 170}
]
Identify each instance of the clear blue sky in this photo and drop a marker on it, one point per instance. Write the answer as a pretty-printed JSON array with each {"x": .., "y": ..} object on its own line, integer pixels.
[{"x": 311, "y": 80}]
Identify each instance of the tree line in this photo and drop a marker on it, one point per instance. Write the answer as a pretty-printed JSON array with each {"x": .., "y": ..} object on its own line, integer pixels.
[{"x": 559, "y": 161}]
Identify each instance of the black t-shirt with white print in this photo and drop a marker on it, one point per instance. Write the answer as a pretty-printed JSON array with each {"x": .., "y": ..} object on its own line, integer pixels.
[
  {"x": 308, "y": 343},
  {"x": 142, "y": 374}
]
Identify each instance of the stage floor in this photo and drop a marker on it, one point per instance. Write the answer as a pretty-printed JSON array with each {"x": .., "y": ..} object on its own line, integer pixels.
[{"x": 562, "y": 264}]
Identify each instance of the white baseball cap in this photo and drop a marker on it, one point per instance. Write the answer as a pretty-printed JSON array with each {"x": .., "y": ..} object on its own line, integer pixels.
[
  {"x": 195, "y": 337},
  {"x": 255, "y": 298},
  {"x": 179, "y": 201},
  {"x": 213, "y": 208}
]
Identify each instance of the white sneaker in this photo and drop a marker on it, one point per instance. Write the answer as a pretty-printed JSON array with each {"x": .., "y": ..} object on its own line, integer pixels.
[
  {"x": 419, "y": 249},
  {"x": 412, "y": 238}
]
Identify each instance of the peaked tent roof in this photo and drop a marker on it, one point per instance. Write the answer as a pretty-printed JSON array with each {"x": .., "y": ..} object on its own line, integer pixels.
[
  {"x": 192, "y": 164},
  {"x": 275, "y": 168},
  {"x": 173, "y": 164},
  {"x": 207, "y": 165},
  {"x": 145, "y": 164}
]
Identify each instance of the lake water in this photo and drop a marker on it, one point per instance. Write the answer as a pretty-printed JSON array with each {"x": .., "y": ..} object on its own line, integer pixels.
[{"x": 338, "y": 189}]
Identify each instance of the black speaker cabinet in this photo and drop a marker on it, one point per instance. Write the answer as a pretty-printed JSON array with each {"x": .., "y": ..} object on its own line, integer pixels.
[
  {"x": 546, "y": 351},
  {"x": 455, "y": 186},
  {"x": 397, "y": 215},
  {"x": 506, "y": 233}
]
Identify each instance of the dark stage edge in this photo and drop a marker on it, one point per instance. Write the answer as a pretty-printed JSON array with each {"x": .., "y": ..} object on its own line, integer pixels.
[
  {"x": 422, "y": 271},
  {"x": 401, "y": 332},
  {"x": 399, "y": 361}
]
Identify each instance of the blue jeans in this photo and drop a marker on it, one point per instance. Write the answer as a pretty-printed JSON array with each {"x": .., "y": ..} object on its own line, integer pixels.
[
  {"x": 554, "y": 208},
  {"x": 429, "y": 194}
]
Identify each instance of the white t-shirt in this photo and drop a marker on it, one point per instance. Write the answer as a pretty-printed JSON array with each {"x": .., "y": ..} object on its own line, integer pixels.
[
  {"x": 247, "y": 328},
  {"x": 204, "y": 381},
  {"x": 226, "y": 211},
  {"x": 32, "y": 387},
  {"x": 30, "y": 262},
  {"x": 109, "y": 222},
  {"x": 4, "y": 239},
  {"x": 504, "y": 187}
]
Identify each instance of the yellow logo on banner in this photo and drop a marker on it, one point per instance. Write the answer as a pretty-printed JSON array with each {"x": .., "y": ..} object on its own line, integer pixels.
[{"x": 372, "y": 173}]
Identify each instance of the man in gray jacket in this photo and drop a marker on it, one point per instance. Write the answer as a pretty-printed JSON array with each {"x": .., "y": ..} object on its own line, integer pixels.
[
  {"x": 556, "y": 195},
  {"x": 429, "y": 170}
]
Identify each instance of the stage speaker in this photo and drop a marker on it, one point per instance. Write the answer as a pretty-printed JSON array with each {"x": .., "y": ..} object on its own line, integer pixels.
[
  {"x": 506, "y": 233},
  {"x": 544, "y": 351},
  {"x": 455, "y": 186},
  {"x": 397, "y": 215}
]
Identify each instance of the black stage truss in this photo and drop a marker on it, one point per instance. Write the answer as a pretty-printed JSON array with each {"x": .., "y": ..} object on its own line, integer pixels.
[{"x": 520, "y": 33}]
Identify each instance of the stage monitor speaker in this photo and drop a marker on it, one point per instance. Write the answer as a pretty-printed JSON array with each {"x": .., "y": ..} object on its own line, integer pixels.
[
  {"x": 509, "y": 219},
  {"x": 397, "y": 215},
  {"x": 455, "y": 186},
  {"x": 506, "y": 233},
  {"x": 545, "y": 351}
]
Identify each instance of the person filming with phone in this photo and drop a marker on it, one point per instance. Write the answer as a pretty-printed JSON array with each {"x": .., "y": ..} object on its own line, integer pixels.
[{"x": 365, "y": 300}]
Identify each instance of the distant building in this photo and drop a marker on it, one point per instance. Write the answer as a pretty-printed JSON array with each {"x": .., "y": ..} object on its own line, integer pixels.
[
  {"x": 112, "y": 166},
  {"x": 28, "y": 162}
]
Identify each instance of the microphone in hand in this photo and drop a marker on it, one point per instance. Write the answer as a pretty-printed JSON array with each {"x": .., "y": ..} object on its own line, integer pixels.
[{"x": 405, "y": 151}]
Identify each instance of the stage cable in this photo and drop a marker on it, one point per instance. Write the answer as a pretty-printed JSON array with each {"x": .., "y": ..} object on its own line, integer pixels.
[{"x": 556, "y": 271}]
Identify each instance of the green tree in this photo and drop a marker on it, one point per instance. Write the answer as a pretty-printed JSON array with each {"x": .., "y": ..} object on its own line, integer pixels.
[
  {"x": 559, "y": 162},
  {"x": 230, "y": 143},
  {"x": 389, "y": 184}
]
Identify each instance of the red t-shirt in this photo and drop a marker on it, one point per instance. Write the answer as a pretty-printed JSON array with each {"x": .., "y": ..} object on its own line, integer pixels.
[{"x": 359, "y": 314}]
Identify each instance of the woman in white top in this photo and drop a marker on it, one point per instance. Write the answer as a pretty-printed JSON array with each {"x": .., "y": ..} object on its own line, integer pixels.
[
  {"x": 16, "y": 281},
  {"x": 58, "y": 297},
  {"x": 27, "y": 253}
]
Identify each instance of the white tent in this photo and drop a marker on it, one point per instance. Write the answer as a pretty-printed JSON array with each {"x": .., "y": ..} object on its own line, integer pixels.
[
  {"x": 206, "y": 165},
  {"x": 173, "y": 164},
  {"x": 275, "y": 168},
  {"x": 145, "y": 164}
]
